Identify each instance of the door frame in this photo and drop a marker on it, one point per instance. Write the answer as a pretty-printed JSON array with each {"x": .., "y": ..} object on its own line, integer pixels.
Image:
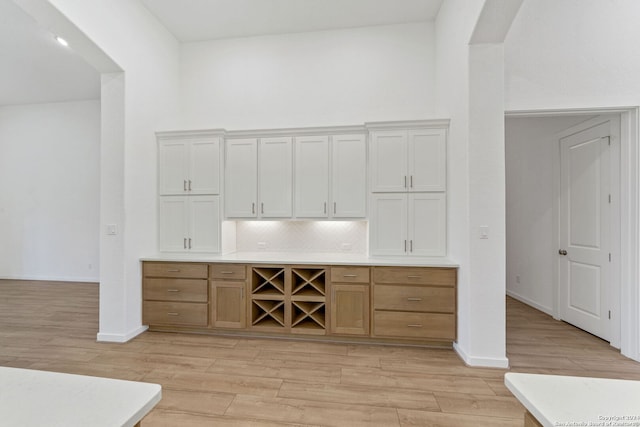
[{"x": 627, "y": 262}]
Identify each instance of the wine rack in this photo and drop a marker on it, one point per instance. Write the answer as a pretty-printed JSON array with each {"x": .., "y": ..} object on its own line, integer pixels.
[{"x": 289, "y": 299}]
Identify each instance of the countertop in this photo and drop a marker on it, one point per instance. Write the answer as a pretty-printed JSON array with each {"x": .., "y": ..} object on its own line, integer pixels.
[
  {"x": 304, "y": 258},
  {"x": 556, "y": 400}
]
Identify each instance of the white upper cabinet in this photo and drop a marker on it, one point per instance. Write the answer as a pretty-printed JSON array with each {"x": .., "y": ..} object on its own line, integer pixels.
[
  {"x": 189, "y": 223},
  {"x": 241, "y": 178},
  {"x": 408, "y": 160},
  {"x": 276, "y": 177},
  {"x": 189, "y": 165},
  {"x": 312, "y": 177},
  {"x": 349, "y": 176}
]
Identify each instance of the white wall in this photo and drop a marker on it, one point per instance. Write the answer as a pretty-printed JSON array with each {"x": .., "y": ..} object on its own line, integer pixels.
[
  {"x": 531, "y": 151},
  {"x": 573, "y": 53},
  {"x": 337, "y": 77},
  {"x": 49, "y": 191}
]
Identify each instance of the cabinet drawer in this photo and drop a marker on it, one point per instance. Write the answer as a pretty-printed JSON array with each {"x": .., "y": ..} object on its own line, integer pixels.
[
  {"x": 414, "y": 298},
  {"x": 175, "y": 313},
  {"x": 228, "y": 271},
  {"x": 418, "y": 275},
  {"x": 175, "y": 269},
  {"x": 160, "y": 289},
  {"x": 350, "y": 274},
  {"x": 414, "y": 325}
]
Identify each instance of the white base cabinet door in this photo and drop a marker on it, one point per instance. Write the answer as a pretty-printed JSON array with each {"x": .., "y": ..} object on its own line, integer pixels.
[
  {"x": 189, "y": 224},
  {"x": 408, "y": 224},
  {"x": 349, "y": 176}
]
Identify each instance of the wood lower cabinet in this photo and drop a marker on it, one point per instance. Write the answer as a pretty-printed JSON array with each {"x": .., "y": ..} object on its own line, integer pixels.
[
  {"x": 228, "y": 302},
  {"x": 414, "y": 303},
  {"x": 389, "y": 304}
]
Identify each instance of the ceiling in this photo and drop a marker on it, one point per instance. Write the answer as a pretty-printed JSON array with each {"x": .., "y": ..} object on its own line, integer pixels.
[{"x": 37, "y": 69}]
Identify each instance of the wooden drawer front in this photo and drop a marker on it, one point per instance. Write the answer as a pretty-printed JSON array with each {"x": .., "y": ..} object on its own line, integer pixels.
[
  {"x": 175, "y": 313},
  {"x": 175, "y": 269},
  {"x": 414, "y": 325},
  {"x": 192, "y": 290},
  {"x": 414, "y": 298},
  {"x": 417, "y": 275},
  {"x": 229, "y": 271},
  {"x": 350, "y": 274}
]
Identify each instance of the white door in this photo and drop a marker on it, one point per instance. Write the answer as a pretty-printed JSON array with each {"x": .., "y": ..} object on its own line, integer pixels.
[
  {"x": 388, "y": 226},
  {"x": 389, "y": 161},
  {"x": 349, "y": 176},
  {"x": 204, "y": 224},
  {"x": 584, "y": 229},
  {"x": 172, "y": 167},
  {"x": 204, "y": 167},
  {"x": 275, "y": 177},
  {"x": 312, "y": 177},
  {"x": 427, "y": 168},
  {"x": 427, "y": 224},
  {"x": 241, "y": 178},
  {"x": 172, "y": 224}
]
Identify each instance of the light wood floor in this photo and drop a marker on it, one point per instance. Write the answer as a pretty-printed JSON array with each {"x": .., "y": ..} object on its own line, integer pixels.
[{"x": 261, "y": 382}]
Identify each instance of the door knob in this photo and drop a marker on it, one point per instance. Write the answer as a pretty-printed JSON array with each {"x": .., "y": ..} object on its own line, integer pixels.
[{"x": 562, "y": 252}]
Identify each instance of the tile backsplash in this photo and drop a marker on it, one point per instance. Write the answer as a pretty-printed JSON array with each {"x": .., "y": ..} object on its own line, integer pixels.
[{"x": 302, "y": 236}]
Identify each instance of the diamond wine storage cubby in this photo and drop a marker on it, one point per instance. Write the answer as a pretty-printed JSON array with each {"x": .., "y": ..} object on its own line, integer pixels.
[{"x": 289, "y": 299}]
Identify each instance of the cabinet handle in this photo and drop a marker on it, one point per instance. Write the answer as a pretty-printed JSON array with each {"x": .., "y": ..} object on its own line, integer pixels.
[
  {"x": 253, "y": 207},
  {"x": 173, "y": 313},
  {"x": 173, "y": 290},
  {"x": 189, "y": 242},
  {"x": 175, "y": 270},
  {"x": 405, "y": 246},
  {"x": 414, "y": 299},
  {"x": 189, "y": 185},
  {"x": 414, "y": 326},
  {"x": 411, "y": 245},
  {"x": 349, "y": 275},
  {"x": 413, "y": 277},
  {"x": 325, "y": 207},
  {"x": 405, "y": 181},
  {"x": 184, "y": 243},
  {"x": 262, "y": 207},
  {"x": 334, "y": 207},
  {"x": 411, "y": 182},
  {"x": 241, "y": 293},
  {"x": 184, "y": 185},
  {"x": 226, "y": 272}
]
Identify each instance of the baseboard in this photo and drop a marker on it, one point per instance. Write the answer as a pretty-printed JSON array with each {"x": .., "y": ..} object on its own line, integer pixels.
[
  {"x": 51, "y": 278},
  {"x": 484, "y": 362},
  {"x": 530, "y": 302},
  {"x": 121, "y": 338}
]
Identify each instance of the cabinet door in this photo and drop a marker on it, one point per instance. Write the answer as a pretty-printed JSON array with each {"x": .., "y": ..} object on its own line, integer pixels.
[
  {"x": 241, "y": 178},
  {"x": 389, "y": 161},
  {"x": 349, "y": 176},
  {"x": 349, "y": 309},
  {"x": 275, "y": 177},
  {"x": 312, "y": 177},
  {"x": 427, "y": 160},
  {"x": 204, "y": 167},
  {"x": 172, "y": 167},
  {"x": 172, "y": 224},
  {"x": 228, "y": 306},
  {"x": 388, "y": 227},
  {"x": 204, "y": 224},
  {"x": 427, "y": 224}
]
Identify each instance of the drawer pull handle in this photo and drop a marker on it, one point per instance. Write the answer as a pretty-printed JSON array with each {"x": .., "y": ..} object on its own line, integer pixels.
[
  {"x": 414, "y": 326},
  {"x": 173, "y": 290},
  {"x": 226, "y": 272},
  {"x": 413, "y": 277},
  {"x": 174, "y": 271},
  {"x": 173, "y": 313},
  {"x": 349, "y": 275},
  {"x": 414, "y": 299}
]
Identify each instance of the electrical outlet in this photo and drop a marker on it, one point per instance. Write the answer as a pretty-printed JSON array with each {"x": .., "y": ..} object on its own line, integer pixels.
[{"x": 111, "y": 230}]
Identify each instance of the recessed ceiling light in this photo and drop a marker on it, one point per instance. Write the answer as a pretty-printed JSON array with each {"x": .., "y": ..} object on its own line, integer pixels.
[{"x": 62, "y": 41}]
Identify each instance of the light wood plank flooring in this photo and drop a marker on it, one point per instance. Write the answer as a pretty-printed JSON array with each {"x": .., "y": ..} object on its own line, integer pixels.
[{"x": 263, "y": 382}]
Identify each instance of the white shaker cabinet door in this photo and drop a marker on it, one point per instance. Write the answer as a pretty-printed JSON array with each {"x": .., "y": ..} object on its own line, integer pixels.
[
  {"x": 172, "y": 167},
  {"x": 388, "y": 226},
  {"x": 349, "y": 176},
  {"x": 204, "y": 224},
  {"x": 241, "y": 178},
  {"x": 427, "y": 151},
  {"x": 312, "y": 177},
  {"x": 427, "y": 224},
  {"x": 389, "y": 161},
  {"x": 276, "y": 177},
  {"x": 172, "y": 224},
  {"x": 204, "y": 167}
]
